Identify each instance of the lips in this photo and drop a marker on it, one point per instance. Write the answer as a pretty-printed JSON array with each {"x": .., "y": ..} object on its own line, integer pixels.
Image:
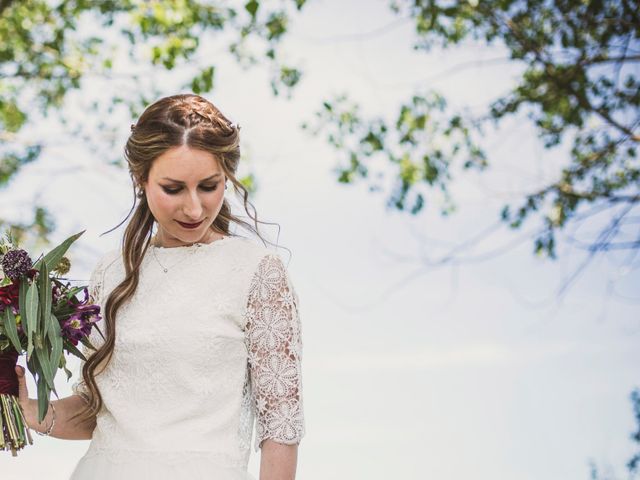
[{"x": 190, "y": 225}]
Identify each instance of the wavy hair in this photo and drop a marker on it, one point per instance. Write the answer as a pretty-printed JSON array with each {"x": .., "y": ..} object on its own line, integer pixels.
[{"x": 173, "y": 121}]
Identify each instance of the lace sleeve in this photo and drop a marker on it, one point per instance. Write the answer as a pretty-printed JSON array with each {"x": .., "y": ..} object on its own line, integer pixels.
[
  {"x": 95, "y": 297},
  {"x": 274, "y": 345}
]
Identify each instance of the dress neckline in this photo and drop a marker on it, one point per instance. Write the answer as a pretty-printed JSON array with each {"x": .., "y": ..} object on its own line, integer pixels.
[{"x": 196, "y": 245}]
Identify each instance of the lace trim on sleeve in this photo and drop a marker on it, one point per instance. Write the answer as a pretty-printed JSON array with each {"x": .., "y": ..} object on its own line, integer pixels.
[
  {"x": 95, "y": 297},
  {"x": 274, "y": 345},
  {"x": 79, "y": 387}
]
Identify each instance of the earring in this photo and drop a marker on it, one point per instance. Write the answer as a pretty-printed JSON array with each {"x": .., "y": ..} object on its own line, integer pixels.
[{"x": 140, "y": 192}]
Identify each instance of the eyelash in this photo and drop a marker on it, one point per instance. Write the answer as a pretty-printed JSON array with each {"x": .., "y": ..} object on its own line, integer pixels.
[{"x": 173, "y": 192}]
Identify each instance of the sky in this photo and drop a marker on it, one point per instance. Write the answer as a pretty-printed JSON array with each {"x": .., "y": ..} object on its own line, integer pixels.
[{"x": 413, "y": 368}]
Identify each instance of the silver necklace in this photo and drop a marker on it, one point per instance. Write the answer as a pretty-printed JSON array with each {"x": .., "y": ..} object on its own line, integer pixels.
[
  {"x": 191, "y": 252},
  {"x": 165, "y": 269}
]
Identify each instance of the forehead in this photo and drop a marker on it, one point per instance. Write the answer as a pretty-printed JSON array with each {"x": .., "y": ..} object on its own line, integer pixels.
[{"x": 185, "y": 163}]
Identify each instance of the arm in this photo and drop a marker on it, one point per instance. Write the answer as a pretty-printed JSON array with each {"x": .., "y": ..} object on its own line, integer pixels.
[
  {"x": 65, "y": 408},
  {"x": 274, "y": 345},
  {"x": 278, "y": 461}
]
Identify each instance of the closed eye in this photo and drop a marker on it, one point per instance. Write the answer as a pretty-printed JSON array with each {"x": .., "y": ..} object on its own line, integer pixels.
[{"x": 173, "y": 191}]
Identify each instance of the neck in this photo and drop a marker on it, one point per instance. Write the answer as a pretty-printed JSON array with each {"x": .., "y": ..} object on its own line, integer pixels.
[{"x": 211, "y": 236}]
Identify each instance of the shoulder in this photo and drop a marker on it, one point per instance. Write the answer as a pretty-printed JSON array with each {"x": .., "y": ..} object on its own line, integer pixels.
[
  {"x": 258, "y": 265},
  {"x": 265, "y": 268},
  {"x": 106, "y": 262},
  {"x": 108, "y": 259},
  {"x": 252, "y": 252}
]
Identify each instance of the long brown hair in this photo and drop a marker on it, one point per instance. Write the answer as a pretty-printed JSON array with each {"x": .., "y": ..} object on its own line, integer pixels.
[{"x": 170, "y": 122}]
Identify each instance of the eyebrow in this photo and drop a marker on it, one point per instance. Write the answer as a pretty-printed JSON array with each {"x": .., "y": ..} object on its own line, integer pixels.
[{"x": 203, "y": 180}]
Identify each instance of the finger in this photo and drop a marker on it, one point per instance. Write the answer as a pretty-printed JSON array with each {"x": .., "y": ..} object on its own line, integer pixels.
[{"x": 23, "y": 393}]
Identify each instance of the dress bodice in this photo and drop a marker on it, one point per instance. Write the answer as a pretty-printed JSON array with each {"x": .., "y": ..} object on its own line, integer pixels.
[{"x": 209, "y": 344}]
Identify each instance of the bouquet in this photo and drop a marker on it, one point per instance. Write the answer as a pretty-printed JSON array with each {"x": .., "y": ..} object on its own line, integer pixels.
[{"x": 42, "y": 316}]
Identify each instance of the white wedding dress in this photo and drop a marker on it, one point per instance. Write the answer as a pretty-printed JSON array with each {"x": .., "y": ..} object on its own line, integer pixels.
[{"x": 202, "y": 351}]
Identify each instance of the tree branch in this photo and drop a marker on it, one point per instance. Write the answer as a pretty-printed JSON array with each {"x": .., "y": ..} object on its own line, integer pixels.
[
  {"x": 550, "y": 68},
  {"x": 620, "y": 246},
  {"x": 4, "y": 4},
  {"x": 599, "y": 245},
  {"x": 567, "y": 190},
  {"x": 601, "y": 59}
]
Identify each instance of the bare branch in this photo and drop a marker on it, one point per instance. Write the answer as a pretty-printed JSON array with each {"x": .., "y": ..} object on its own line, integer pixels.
[
  {"x": 599, "y": 245},
  {"x": 596, "y": 60},
  {"x": 606, "y": 246}
]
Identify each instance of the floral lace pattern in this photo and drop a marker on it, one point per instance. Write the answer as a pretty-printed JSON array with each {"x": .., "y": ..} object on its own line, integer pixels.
[
  {"x": 274, "y": 346},
  {"x": 202, "y": 351},
  {"x": 95, "y": 297}
]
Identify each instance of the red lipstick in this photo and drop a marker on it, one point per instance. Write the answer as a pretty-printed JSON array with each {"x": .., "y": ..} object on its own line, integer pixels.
[{"x": 190, "y": 225}]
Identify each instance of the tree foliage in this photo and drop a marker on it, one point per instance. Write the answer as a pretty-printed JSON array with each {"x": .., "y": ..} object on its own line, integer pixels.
[
  {"x": 633, "y": 465},
  {"x": 579, "y": 85},
  {"x": 48, "y": 48}
]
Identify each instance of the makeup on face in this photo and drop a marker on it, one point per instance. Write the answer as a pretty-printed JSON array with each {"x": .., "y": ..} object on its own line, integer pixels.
[
  {"x": 190, "y": 225},
  {"x": 209, "y": 187},
  {"x": 185, "y": 194}
]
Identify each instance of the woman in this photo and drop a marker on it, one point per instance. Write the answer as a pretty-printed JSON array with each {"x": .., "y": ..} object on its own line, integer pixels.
[{"x": 202, "y": 328}]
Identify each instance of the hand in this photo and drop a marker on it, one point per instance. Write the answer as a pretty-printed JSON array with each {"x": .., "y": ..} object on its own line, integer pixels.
[{"x": 28, "y": 405}]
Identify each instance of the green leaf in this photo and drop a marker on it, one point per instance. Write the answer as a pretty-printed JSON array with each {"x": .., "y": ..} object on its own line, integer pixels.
[
  {"x": 31, "y": 312},
  {"x": 43, "y": 398},
  {"x": 252, "y": 8},
  {"x": 67, "y": 371},
  {"x": 203, "y": 82},
  {"x": 55, "y": 338},
  {"x": 74, "y": 350},
  {"x": 12, "y": 329},
  {"x": 38, "y": 341},
  {"x": 53, "y": 257},
  {"x": 22, "y": 301},
  {"x": 44, "y": 284},
  {"x": 11, "y": 117},
  {"x": 31, "y": 365},
  {"x": 73, "y": 292},
  {"x": 43, "y": 358}
]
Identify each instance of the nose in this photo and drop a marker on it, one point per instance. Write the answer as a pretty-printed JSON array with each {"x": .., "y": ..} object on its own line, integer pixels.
[{"x": 192, "y": 209}]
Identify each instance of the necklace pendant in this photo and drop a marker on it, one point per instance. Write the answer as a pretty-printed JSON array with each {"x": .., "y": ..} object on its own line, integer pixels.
[{"x": 165, "y": 270}]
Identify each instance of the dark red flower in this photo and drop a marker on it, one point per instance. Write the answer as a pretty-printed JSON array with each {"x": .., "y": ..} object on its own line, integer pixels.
[{"x": 9, "y": 294}]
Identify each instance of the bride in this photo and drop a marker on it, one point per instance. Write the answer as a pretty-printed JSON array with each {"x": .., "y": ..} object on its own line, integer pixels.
[{"x": 202, "y": 330}]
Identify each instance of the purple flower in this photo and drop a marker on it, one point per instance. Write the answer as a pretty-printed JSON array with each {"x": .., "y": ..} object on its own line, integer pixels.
[
  {"x": 56, "y": 293},
  {"x": 85, "y": 292},
  {"x": 16, "y": 263},
  {"x": 75, "y": 328},
  {"x": 79, "y": 325},
  {"x": 89, "y": 313}
]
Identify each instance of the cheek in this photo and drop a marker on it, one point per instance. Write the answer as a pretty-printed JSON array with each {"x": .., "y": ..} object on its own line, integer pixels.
[
  {"x": 214, "y": 202},
  {"x": 161, "y": 204}
]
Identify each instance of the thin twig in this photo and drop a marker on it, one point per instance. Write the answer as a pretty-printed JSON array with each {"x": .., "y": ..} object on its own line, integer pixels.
[{"x": 595, "y": 248}]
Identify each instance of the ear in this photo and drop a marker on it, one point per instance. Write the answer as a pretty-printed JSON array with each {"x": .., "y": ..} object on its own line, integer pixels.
[
  {"x": 141, "y": 182},
  {"x": 140, "y": 187},
  {"x": 136, "y": 181}
]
